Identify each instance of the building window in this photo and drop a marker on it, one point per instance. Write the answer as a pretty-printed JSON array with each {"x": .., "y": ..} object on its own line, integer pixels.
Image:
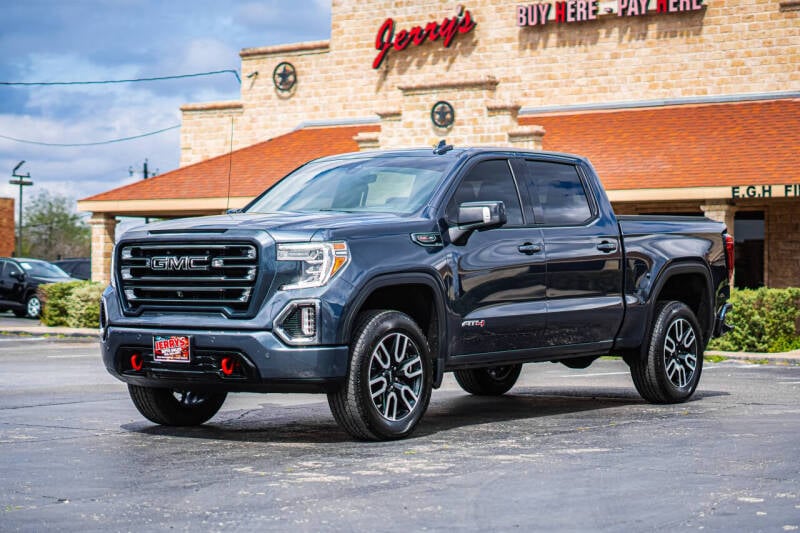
[{"x": 748, "y": 231}]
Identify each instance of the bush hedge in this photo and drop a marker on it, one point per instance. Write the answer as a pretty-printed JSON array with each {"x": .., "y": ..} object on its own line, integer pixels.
[
  {"x": 74, "y": 304},
  {"x": 764, "y": 320}
]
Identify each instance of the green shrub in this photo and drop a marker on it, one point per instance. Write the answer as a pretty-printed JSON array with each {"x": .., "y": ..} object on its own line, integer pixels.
[
  {"x": 54, "y": 301},
  {"x": 73, "y": 304},
  {"x": 83, "y": 306},
  {"x": 764, "y": 320}
]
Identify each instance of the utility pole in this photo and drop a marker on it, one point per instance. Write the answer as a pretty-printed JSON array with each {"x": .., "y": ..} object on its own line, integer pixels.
[
  {"x": 22, "y": 181},
  {"x": 145, "y": 174}
]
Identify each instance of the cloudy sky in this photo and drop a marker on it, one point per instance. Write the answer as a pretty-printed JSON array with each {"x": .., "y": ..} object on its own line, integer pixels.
[{"x": 79, "y": 40}]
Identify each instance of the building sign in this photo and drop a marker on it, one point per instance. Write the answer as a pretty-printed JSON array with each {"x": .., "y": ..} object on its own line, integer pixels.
[
  {"x": 791, "y": 190},
  {"x": 386, "y": 39},
  {"x": 583, "y": 10}
]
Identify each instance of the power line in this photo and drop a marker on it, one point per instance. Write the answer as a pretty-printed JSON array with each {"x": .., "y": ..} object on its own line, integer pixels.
[
  {"x": 26, "y": 141},
  {"x": 104, "y": 82}
]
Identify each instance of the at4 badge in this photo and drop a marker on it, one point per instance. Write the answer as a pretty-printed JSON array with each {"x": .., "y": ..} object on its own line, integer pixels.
[{"x": 473, "y": 323}]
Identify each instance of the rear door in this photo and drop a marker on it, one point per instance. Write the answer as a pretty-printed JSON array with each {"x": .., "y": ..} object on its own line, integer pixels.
[
  {"x": 584, "y": 256},
  {"x": 499, "y": 285}
]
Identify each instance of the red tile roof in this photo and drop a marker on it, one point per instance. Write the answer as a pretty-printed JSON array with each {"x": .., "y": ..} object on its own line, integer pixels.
[
  {"x": 252, "y": 169},
  {"x": 678, "y": 146},
  {"x": 683, "y": 146}
]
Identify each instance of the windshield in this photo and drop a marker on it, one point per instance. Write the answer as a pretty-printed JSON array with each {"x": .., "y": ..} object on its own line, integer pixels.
[
  {"x": 400, "y": 184},
  {"x": 43, "y": 269}
]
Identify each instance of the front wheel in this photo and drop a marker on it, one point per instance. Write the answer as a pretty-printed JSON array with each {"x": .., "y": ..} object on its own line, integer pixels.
[
  {"x": 389, "y": 380},
  {"x": 170, "y": 407},
  {"x": 492, "y": 381},
  {"x": 670, "y": 371}
]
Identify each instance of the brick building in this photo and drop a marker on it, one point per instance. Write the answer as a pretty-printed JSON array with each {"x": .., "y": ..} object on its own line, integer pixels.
[
  {"x": 683, "y": 106},
  {"x": 7, "y": 229}
]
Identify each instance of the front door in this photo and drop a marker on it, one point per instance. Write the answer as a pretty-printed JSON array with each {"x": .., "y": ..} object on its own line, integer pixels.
[{"x": 499, "y": 285}]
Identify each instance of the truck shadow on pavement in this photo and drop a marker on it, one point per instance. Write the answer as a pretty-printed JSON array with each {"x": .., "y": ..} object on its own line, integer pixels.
[{"x": 449, "y": 410}]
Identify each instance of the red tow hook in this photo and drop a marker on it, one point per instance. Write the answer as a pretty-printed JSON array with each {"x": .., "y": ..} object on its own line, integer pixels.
[
  {"x": 228, "y": 364},
  {"x": 136, "y": 362}
]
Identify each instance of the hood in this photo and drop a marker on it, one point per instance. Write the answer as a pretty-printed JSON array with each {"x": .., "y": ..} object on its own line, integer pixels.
[
  {"x": 42, "y": 280},
  {"x": 286, "y": 224}
]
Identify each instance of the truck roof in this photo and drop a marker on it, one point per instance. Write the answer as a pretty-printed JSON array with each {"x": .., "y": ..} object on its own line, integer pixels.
[{"x": 456, "y": 152}]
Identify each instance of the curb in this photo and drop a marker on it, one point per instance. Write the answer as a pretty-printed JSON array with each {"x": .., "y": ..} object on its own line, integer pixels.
[
  {"x": 785, "y": 358},
  {"x": 53, "y": 332}
]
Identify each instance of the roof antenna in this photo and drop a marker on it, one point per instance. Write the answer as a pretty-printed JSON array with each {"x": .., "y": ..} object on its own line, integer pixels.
[
  {"x": 442, "y": 148},
  {"x": 230, "y": 164}
]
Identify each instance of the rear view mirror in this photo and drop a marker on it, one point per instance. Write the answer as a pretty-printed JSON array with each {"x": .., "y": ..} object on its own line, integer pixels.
[{"x": 477, "y": 216}]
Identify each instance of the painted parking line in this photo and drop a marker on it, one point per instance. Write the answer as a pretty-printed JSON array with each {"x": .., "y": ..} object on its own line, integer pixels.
[
  {"x": 26, "y": 339},
  {"x": 78, "y": 356}
]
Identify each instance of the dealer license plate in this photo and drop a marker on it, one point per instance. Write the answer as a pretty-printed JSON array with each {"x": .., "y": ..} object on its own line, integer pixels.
[{"x": 171, "y": 349}]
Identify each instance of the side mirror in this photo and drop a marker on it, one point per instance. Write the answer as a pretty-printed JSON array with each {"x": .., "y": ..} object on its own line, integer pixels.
[
  {"x": 17, "y": 275},
  {"x": 477, "y": 216}
]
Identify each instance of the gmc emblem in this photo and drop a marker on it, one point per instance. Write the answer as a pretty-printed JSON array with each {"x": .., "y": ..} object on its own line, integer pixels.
[{"x": 179, "y": 262}]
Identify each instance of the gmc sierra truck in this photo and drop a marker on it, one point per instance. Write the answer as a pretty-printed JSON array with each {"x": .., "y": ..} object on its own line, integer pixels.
[{"x": 367, "y": 276}]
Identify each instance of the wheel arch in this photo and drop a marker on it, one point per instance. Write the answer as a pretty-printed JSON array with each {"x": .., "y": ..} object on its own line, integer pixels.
[
  {"x": 688, "y": 282},
  {"x": 405, "y": 292}
]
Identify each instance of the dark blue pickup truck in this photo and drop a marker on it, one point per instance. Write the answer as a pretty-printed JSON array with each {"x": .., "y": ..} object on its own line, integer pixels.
[{"x": 367, "y": 276}]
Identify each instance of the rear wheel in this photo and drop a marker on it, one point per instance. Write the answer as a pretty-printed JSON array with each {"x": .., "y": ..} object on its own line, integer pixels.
[
  {"x": 389, "y": 381},
  {"x": 671, "y": 369},
  {"x": 171, "y": 407},
  {"x": 492, "y": 381},
  {"x": 33, "y": 307}
]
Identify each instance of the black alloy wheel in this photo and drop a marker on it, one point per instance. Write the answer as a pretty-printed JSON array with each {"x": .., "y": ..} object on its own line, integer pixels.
[
  {"x": 671, "y": 368},
  {"x": 388, "y": 385}
]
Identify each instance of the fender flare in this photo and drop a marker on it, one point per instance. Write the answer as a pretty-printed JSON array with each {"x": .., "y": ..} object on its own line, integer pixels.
[
  {"x": 675, "y": 269},
  {"x": 405, "y": 278}
]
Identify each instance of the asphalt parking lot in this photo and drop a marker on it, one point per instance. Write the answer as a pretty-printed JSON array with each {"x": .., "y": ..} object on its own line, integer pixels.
[{"x": 570, "y": 450}]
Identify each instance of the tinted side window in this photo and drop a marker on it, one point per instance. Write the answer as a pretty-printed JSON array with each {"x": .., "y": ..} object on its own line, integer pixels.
[
  {"x": 83, "y": 271},
  {"x": 556, "y": 192},
  {"x": 2, "y": 266},
  {"x": 488, "y": 181}
]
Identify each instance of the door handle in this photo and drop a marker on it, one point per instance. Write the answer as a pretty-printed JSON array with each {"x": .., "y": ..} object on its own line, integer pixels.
[
  {"x": 607, "y": 247},
  {"x": 529, "y": 248}
]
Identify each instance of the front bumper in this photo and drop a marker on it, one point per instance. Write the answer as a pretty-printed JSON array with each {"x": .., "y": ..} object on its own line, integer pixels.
[{"x": 265, "y": 364}]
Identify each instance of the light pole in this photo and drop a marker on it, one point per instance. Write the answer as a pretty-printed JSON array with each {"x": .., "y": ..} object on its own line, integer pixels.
[
  {"x": 22, "y": 181},
  {"x": 145, "y": 174}
]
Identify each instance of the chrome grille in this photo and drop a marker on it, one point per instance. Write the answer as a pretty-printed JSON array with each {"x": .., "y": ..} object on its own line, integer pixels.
[{"x": 201, "y": 275}]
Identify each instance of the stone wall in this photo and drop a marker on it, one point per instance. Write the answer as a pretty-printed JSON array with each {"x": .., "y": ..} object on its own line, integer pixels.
[
  {"x": 727, "y": 47},
  {"x": 7, "y": 228}
]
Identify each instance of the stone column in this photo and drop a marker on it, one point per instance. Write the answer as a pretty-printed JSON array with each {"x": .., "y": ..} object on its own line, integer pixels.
[
  {"x": 721, "y": 212},
  {"x": 103, "y": 226},
  {"x": 367, "y": 140},
  {"x": 527, "y": 137}
]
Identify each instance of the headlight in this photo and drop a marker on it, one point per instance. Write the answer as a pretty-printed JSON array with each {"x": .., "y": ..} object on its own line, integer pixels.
[{"x": 319, "y": 261}]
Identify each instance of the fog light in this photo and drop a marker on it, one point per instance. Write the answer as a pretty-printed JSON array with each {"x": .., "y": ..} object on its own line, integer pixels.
[
  {"x": 308, "y": 321},
  {"x": 297, "y": 323}
]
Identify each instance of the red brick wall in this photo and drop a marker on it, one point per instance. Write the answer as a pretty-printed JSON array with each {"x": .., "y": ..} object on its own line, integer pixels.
[{"x": 7, "y": 241}]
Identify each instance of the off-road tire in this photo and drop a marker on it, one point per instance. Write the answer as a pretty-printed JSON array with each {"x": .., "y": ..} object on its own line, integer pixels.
[
  {"x": 353, "y": 405},
  {"x": 162, "y": 407},
  {"x": 492, "y": 381},
  {"x": 650, "y": 374}
]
